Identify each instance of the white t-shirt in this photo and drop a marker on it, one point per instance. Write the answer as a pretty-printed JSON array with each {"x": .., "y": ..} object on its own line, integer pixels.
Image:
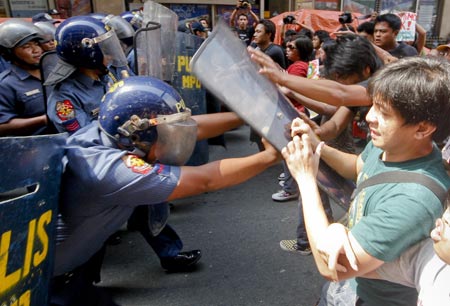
[{"x": 421, "y": 268}]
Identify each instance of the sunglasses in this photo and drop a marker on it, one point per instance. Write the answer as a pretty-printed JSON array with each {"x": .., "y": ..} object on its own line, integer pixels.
[{"x": 291, "y": 47}]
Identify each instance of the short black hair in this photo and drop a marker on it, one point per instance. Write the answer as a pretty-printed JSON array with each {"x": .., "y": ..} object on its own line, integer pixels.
[
  {"x": 269, "y": 27},
  {"x": 366, "y": 27},
  {"x": 350, "y": 54},
  {"x": 306, "y": 32},
  {"x": 304, "y": 48},
  {"x": 394, "y": 22},
  {"x": 322, "y": 35},
  {"x": 418, "y": 88}
]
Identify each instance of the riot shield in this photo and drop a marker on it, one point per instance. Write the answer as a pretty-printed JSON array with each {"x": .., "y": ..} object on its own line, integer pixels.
[
  {"x": 147, "y": 50},
  {"x": 155, "y": 12},
  {"x": 190, "y": 88},
  {"x": 29, "y": 189},
  {"x": 224, "y": 67}
]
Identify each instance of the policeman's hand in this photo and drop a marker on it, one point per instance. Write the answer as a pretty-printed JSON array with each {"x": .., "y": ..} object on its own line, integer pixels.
[
  {"x": 268, "y": 67},
  {"x": 269, "y": 149},
  {"x": 304, "y": 125}
]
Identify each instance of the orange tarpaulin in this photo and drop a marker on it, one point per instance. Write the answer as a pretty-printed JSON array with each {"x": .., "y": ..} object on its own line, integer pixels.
[{"x": 315, "y": 19}]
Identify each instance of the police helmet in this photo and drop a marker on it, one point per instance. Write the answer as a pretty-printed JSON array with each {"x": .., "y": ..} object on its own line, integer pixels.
[
  {"x": 84, "y": 41},
  {"x": 124, "y": 30},
  {"x": 15, "y": 33},
  {"x": 143, "y": 114},
  {"x": 98, "y": 16},
  {"x": 47, "y": 30},
  {"x": 134, "y": 18}
]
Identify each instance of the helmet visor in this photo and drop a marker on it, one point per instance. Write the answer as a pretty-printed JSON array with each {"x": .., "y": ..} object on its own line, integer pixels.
[
  {"x": 176, "y": 141},
  {"x": 111, "y": 49}
]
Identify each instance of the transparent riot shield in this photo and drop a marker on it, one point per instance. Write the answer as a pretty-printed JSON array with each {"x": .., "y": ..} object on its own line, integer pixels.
[
  {"x": 168, "y": 19},
  {"x": 147, "y": 50},
  {"x": 190, "y": 88},
  {"x": 29, "y": 190},
  {"x": 224, "y": 67}
]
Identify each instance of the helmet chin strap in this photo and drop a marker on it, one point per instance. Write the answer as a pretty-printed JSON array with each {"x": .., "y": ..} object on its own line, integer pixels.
[{"x": 138, "y": 152}]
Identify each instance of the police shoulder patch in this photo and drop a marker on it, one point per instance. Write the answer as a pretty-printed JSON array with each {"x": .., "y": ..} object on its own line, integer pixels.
[
  {"x": 136, "y": 164},
  {"x": 65, "y": 110}
]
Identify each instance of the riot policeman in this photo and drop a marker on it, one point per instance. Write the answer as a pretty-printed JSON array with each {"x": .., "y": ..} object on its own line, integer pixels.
[
  {"x": 135, "y": 18},
  {"x": 22, "y": 108},
  {"x": 85, "y": 48},
  {"x": 125, "y": 33},
  {"x": 47, "y": 32},
  {"x": 131, "y": 157}
]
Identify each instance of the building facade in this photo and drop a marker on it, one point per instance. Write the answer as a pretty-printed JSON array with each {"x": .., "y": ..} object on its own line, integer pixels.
[{"x": 430, "y": 12}]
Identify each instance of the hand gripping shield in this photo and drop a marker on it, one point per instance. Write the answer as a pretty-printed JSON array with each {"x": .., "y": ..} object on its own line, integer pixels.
[{"x": 224, "y": 67}]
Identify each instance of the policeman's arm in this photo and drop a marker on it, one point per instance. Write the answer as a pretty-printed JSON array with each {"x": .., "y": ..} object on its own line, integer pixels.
[
  {"x": 327, "y": 91},
  {"x": 212, "y": 125},
  {"x": 223, "y": 173},
  {"x": 22, "y": 126}
]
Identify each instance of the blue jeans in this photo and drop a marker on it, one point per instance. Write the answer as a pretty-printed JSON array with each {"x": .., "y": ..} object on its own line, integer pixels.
[{"x": 290, "y": 185}]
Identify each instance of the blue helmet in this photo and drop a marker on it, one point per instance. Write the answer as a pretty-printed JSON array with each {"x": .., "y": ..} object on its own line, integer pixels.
[
  {"x": 83, "y": 41},
  {"x": 98, "y": 16},
  {"x": 141, "y": 112},
  {"x": 134, "y": 18}
]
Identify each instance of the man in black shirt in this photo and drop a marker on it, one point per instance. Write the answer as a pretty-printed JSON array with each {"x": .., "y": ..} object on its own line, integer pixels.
[
  {"x": 386, "y": 29},
  {"x": 243, "y": 30}
]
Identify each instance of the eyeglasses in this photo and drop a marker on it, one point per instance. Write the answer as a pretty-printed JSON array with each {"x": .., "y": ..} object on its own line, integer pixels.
[{"x": 291, "y": 47}]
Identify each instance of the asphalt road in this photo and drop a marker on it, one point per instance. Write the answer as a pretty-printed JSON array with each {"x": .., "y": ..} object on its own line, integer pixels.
[{"x": 238, "y": 231}]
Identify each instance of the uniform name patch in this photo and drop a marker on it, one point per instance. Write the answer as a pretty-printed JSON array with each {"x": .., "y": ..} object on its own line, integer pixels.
[
  {"x": 137, "y": 164},
  {"x": 32, "y": 92}
]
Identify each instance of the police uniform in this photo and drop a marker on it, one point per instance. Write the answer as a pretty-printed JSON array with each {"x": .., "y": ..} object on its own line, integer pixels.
[
  {"x": 101, "y": 187},
  {"x": 74, "y": 102},
  {"x": 20, "y": 95},
  {"x": 4, "y": 64}
]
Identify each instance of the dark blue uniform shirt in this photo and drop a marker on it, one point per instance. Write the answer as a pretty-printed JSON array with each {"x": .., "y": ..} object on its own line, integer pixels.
[
  {"x": 20, "y": 95},
  {"x": 74, "y": 102}
]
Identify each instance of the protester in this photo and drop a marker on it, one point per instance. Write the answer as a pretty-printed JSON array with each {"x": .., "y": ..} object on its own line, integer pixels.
[
  {"x": 243, "y": 29},
  {"x": 425, "y": 266},
  {"x": 409, "y": 112},
  {"x": 385, "y": 34}
]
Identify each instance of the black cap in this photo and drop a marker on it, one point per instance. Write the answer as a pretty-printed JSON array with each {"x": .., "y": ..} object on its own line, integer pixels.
[
  {"x": 43, "y": 17},
  {"x": 197, "y": 26}
]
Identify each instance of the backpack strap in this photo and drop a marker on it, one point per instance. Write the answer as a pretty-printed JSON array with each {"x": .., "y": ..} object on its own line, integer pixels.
[{"x": 403, "y": 177}]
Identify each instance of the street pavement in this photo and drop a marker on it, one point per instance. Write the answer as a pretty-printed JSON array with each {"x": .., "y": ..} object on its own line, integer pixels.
[{"x": 238, "y": 230}]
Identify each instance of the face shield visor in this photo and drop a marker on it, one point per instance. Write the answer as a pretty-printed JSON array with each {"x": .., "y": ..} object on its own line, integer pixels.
[
  {"x": 177, "y": 135},
  {"x": 110, "y": 46}
]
